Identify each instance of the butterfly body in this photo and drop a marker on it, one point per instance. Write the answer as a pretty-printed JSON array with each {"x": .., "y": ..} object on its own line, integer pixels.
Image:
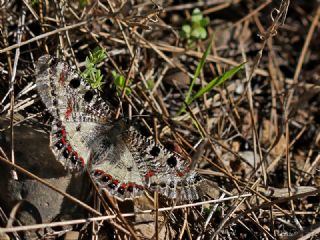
[{"x": 119, "y": 159}]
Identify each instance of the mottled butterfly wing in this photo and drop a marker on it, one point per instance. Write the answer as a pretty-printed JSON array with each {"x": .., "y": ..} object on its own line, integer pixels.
[
  {"x": 71, "y": 145},
  {"x": 163, "y": 170},
  {"x": 66, "y": 95},
  {"x": 113, "y": 165},
  {"x": 80, "y": 114},
  {"x": 82, "y": 134},
  {"x": 118, "y": 157}
]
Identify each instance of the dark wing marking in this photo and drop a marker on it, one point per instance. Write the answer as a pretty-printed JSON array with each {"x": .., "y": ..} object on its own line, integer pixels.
[
  {"x": 162, "y": 169},
  {"x": 66, "y": 95}
]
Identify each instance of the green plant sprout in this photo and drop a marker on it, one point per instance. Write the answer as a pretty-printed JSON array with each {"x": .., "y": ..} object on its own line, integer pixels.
[
  {"x": 196, "y": 28},
  {"x": 34, "y": 2},
  {"x": 150, "y": 84},
  {"x": 212, "y": 84},
  {"x": 119, "y": 81},
  {"x": 84, "y": 3},
  {"x": 91, "y": 74}
]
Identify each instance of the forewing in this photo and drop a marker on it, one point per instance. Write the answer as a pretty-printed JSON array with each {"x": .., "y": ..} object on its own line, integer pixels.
[
  {"x": 80, "y": 113},
  {"x": 66, "y": 95}
]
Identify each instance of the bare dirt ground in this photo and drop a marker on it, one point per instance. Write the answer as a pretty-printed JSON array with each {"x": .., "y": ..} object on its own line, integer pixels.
[{"x": 254, "y": 136}]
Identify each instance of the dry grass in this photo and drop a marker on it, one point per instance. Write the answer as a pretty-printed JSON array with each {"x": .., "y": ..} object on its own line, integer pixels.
[{"x": 255, "y": 138}]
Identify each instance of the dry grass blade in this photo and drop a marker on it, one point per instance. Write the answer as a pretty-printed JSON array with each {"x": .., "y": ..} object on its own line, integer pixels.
[{"x": 101, "y": 218}]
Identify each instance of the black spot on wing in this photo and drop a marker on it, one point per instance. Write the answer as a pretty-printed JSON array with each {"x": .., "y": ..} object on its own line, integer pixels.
[
  {"x": 121, "y": 190},
  {"x": 172, "y": 161},
  {"x": 88, "y": 96},
  {"x": 155, "y": 151},
  {"x": 75, "y": 83}
]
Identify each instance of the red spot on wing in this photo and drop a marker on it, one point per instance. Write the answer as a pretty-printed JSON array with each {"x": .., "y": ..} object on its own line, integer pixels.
[
  {"x": 116, "y": 182},
  {"x": 180, "y": 174},
  {"x": 139, "y": 187},
  {"x": 123, "y": 185},
  {"x": 109, "y": 176},
  {"x": 131, "y": 186},
  {"x": 98, "y": 171},
  {"x": 63, "y": 141},
  {"x": 69, "y": 148},
  {"x": 149, "y": 174},
  {"x": 69, "y": 109},
  {"x": 75, "y": 154},
  {"x": 62, "y": 77}
]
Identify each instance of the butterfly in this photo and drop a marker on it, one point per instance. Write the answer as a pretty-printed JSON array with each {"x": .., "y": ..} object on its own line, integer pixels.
[{"x": 84, "y": 135}]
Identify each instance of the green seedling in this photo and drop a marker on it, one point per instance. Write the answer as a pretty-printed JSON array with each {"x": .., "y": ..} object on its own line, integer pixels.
[
  {"x": 150, "y": 84},
  {"x": 92, "y": 74},
  {"x": 212, "y": 84},
  {"x": 195, "y": 29},
  {"x": 119, "y": 81},
  {"x": 34, "y": 2},
  {"x": 84, "y": 3}
]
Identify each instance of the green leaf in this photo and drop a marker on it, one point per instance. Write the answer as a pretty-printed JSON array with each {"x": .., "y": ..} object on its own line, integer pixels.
[
  {"x": 84, "y": 3},
  {"x": 195, "y": 32},
  {"x": 195, "y": 28},
  {"x": 190, "y": 43},
  {"x": 128, "y": 91},
  {"x": 217, "y": 81},
  {"x": 196, "y": 15},
  {"x": 114, "y": 74},
  {"x": 203, "y": 33},
  {"x": 97, "y": 56},
  {"x": 150, "y": 84},
  {"x": 185, "y": 31},
  {"x": 119, "y": 81},
  {"x": 91, "y": 74},
  {"x": 34, "y": 2},
  {"x": 186, "y": 28},
  {"x": 199, "y": 33},
  {"x": 195, "y": 76},
  {"x": 198, "y": 128},
  {"x": 204, "y": 22}
]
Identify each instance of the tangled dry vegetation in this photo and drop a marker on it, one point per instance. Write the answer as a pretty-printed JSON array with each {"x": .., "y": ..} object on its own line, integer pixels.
[{"x": 255, "y": 137}]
